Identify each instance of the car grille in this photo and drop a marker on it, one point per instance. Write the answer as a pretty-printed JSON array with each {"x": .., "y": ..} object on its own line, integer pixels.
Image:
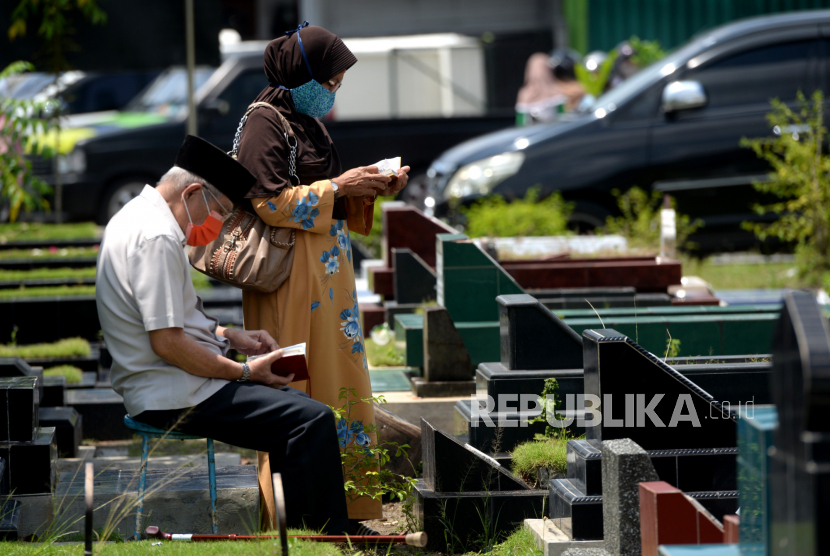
[{"x": 41, "y": 166}]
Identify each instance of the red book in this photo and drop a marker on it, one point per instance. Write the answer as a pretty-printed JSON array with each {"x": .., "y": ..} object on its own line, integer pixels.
[{"x": 292, "y": 361}]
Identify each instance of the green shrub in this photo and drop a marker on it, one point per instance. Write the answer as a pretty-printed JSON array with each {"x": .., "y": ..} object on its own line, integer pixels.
[
  {"x": 50, "y": 254},
  {"x": 527, "y": 458},
  {"x": 68, "y": 347},
  {"x": 24, "y": 292},
  {"x": 494, "y": 217},
  {"x": 640, "y": 220},
  {"x": 799, "y": 177},
  {"x": 73, "y": 374}
]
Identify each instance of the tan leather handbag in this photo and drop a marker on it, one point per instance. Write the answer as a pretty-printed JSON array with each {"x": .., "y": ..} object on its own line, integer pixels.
[{"x": 248, "y": 253}]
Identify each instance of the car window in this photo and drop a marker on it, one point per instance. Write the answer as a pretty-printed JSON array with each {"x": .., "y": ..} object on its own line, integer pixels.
[
  {"x": 242, "y": 91},
  {"x": 758, "y": 75}
]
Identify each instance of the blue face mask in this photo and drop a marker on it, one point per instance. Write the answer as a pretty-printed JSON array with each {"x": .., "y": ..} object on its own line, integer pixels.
[{"x": 311, "y": 99}]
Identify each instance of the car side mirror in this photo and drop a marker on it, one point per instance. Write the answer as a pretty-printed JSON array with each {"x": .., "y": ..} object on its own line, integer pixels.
[{"x": 683, "y": 95}]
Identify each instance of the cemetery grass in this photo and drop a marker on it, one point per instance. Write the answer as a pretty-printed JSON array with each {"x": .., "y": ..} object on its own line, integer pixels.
[
  {"x": 53, "y": 291},
  {"x": 383, "y": 356},
  {"x": 22, "y": 231},
  {"x": 68, "y": 347},
  {"x": 47, "y": 274},
  {"x": 743, "y": 276},
  {"x": 49, "y": 254},
  {"x": 528, "y": 457},
  {"x": 264, "y": 547},
  {"x": 180, "y": 448},
  {"x": 73, "y": 375}
]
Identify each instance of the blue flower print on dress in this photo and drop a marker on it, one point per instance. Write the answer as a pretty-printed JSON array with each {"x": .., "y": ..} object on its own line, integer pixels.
[
  {"x": 304, "y": 211},
  {"x": 314, "y": 305},
  {"x": 272, "y": 206},
  {"x": 360, "y": 437},
  {"x": 331, "y": 295},
  {"x": 329, "y": 259},
  {"x": 341, "y": 237},
  {"x": 350, "y": 325}
]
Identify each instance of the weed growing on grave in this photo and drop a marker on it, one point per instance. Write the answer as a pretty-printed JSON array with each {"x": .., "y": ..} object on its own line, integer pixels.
[
  {"x": 529, "y": 457},
  {"x": 73, "y": 374},
  {"x": 639, "y": 223},
  {"x": 68, "y": 347},
  {"x": 363, "y": 463},
  {"x": 386, "y": 355},
  {"x": 550, "y": 403},
  {"x": 672, "y": 348}
]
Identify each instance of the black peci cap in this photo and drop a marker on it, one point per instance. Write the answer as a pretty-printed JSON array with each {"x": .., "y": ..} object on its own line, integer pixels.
[{"x": 211, "y": 163}]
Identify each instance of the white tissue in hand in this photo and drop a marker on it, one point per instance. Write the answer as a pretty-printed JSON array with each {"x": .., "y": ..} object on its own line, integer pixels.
[{"x": 389, "y": 166}]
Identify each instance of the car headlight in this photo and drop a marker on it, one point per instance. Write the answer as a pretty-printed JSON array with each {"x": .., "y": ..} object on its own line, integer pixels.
[
  {"x": 481, "y": 176},
  {"x": 72, "y": 163}
]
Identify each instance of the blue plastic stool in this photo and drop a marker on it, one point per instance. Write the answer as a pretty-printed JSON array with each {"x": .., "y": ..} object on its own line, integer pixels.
[{"x": 147, "y": 432}]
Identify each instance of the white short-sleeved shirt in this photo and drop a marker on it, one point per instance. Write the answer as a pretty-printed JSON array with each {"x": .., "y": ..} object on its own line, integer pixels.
[{"x": 143, "y": 283}]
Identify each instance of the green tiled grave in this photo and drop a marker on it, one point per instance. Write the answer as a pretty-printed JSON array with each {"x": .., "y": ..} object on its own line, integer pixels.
[
  {"x": 673, "y": 311},
  {"x": 469, "y": 280},
  {"x": 390, "y": 380}
]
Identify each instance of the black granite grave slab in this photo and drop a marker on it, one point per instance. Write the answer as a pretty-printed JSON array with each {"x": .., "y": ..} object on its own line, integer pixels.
[
  {"x": 455, "y": 522},
  {"x": 414, "y": 280},
  {"x": 509, "y": 428},
  {"x": 3, "y": 491},
  {"x": 69, "y": 316},
  {"x": 618, "y": 367},
  {"x": 566, "y": 300},
  {"x": 16, "y": 366},
  {"x": 68, "y": 428},
  {"x": 696, "y": 470},
  {"x": 579, "y": 515},
  {"x": 533, "y": 338},
  {"x": 450, "y": 466},
  {"x": 31, "y": 466},
  {"x": 445, "y": 356},
  {"x": 54, "y": 391},
  {"x": 800, "y": 460},
  {"x": 102, "y": 411},
  {"x": 19, "y": 403},
  {"x": 10, "y": 519}
]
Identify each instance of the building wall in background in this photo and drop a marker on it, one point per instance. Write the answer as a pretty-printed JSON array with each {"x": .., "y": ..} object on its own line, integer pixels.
[{"x": 603, "y": 24}]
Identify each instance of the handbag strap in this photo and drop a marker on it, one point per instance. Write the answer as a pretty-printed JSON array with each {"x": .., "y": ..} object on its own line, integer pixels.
[{"x": 288, "y": 133}]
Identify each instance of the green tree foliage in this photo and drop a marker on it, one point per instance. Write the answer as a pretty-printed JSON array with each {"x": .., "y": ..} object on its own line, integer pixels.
[
  {"x": 640, "y": 220},
  {"x": 55, "y": 27},
  {"x": 495, "y": 217},
  {"x": 594, "y": 82},
  {"x": 800, "y": 179},
  {"x": 20, "y": 126},
  {"x": 645, "y": 52}
]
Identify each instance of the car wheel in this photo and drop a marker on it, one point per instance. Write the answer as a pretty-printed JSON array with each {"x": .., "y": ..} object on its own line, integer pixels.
[{"x": 120, "y": 194}]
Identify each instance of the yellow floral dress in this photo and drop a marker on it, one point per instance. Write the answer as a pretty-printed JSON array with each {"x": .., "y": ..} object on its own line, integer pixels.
[{"x": 317, "y": 305}]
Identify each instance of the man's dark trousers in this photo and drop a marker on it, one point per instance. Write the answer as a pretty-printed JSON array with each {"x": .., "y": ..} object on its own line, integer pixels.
[{"x": 297, "y": 432}]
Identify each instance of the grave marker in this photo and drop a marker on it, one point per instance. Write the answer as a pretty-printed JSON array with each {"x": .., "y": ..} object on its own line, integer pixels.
[{"x": 447, "y": 365}]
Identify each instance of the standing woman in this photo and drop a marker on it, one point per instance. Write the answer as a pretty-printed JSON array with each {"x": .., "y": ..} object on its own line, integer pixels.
[{"x": 317, "y": 304}]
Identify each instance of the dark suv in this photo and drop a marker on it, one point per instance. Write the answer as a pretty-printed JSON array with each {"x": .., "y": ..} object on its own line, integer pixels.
[{"x": 674, "y": 127}]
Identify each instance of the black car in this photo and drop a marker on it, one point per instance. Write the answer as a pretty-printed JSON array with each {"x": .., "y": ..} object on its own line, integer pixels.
[{"x": 674, "y": 127}]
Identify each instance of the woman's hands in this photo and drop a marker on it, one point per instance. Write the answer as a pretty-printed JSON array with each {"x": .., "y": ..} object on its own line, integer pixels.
[
  {"x": 363, "y": 181},
  {"x": 397, "y": 183}
]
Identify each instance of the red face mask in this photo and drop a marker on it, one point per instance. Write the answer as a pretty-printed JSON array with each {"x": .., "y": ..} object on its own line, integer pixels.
[{"x": 207, "y": 231}]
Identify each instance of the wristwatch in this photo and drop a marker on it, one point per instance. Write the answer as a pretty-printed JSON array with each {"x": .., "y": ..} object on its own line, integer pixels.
[
  {"x": 335, "y": 187},
  {"x": 246, "y": 373}
]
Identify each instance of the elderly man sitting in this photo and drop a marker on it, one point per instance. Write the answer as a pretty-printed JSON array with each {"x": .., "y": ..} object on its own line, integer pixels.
[{"x": 169, "y": 359}]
